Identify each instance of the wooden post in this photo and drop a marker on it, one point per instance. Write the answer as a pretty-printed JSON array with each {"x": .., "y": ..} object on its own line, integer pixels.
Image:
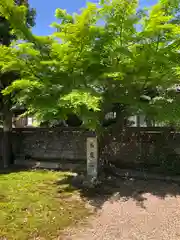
[{"x": 92, "y": 158}]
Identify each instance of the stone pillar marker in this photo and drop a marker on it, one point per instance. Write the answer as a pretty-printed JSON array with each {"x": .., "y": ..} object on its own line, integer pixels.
[{"x": 92, "y": 158}]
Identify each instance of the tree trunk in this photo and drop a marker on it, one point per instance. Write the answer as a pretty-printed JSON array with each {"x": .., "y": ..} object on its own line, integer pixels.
[
  {"x": 114, "y": 131},
  {"x": 7, "y": 151}
]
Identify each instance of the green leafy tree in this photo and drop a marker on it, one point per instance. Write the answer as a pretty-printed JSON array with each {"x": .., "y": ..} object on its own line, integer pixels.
[
  {"x": 7, "y": 36},
  {"x": 111, "y": 55}
]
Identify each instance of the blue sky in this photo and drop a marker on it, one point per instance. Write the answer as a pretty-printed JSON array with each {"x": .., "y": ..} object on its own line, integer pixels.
[{"x": 45, "y": 11}]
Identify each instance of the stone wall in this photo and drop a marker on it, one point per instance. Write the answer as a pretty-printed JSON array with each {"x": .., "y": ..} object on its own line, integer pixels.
[
  {"x": 50, "y": 144},
  {"x": 144, "y": 146},
  {"x": 135, "y": 146}
]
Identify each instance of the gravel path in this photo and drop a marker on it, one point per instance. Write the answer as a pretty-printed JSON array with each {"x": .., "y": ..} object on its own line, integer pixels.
[{"x": 139, "y": 211}]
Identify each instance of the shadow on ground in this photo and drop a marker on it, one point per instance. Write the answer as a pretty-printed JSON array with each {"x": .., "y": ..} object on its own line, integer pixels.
[
  {"x": 14, "y": 169},
  {"x": 112, "y": 188},
  {"x": 117, "y": 188}
]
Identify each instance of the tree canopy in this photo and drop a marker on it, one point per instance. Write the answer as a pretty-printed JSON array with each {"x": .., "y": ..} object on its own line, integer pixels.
[
  {"x": 110, "y": 53},
  {"x": 8, "y": 34}
]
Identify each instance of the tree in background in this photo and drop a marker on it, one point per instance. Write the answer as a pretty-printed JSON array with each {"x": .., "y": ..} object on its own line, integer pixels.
[
  {"x": 108, "y": 56},
  {"x": 7, "y": 35}
]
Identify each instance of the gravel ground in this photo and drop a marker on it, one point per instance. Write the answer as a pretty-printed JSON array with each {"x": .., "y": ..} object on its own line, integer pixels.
[{"x": 136, "y": 210}]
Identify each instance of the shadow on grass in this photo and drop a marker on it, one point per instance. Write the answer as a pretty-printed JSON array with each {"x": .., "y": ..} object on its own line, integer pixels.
[
  {"x": 123, "y": 189},
  {"x": 14, "y": 169},
  {"x": 111, "y": 188}
]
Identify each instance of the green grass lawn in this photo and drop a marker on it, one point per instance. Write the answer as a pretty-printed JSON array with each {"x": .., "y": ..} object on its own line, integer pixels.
[{"x": 34, "y": 206}]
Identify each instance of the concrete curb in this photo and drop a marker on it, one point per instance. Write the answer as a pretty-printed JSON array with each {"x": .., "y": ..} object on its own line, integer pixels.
[
  {"x": 127, "y": 173},
  {"x": 122, "y": 173},
  {"x": 48, "y": 165}
]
